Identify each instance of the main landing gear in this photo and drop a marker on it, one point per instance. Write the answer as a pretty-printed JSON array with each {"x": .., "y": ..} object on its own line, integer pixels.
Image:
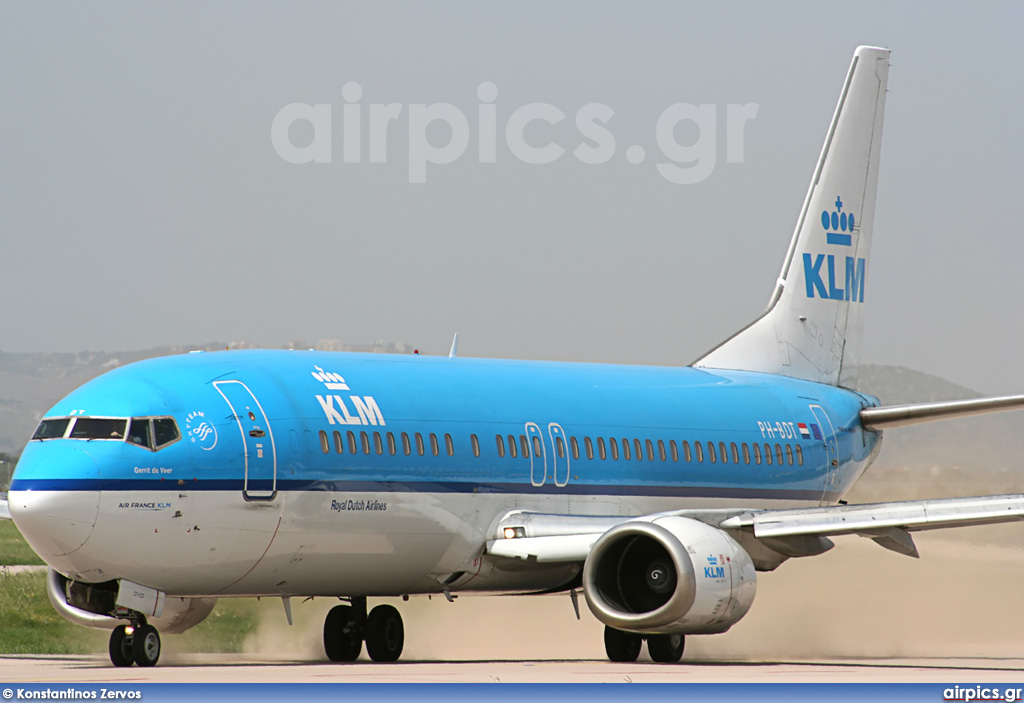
[
  {"x": 348, "y": 626},
  {"x": 625, "y": 646},
  {"x": 136, "y": 643}
]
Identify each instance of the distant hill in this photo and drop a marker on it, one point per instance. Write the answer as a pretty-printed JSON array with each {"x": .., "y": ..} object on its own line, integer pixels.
[{"x": 959, "y": 457}]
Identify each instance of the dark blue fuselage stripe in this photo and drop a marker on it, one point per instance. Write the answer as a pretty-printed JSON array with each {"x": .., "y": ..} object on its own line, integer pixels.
[{"x": 740, "y": 492}]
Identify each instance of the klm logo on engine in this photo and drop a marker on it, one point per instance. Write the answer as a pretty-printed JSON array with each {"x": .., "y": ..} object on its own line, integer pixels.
[
  {"x": 342, "y": 410},
  {"x": 714, "y": 571},
  {"x": 833, "y": 276}
]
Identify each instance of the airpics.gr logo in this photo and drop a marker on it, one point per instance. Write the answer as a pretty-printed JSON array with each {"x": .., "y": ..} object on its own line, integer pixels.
[
  {"x": 200, "y": 430},
  {"x": 839, "y": 227}
]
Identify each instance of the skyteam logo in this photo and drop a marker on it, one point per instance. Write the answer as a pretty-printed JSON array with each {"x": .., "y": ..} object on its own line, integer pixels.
[
  {"x": 200, "y": 431},
  {"x": 818, "y": 268}
]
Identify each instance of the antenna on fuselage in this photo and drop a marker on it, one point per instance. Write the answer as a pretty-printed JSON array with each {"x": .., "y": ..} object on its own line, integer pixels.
[{"x": 454, "y": 351}]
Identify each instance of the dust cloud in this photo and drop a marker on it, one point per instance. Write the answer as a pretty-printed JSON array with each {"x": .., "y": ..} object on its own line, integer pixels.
[{"x": 859, "y": 600}]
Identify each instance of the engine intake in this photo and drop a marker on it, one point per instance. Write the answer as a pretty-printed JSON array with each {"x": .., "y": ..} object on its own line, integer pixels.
[{"x": 668, "y": 575}]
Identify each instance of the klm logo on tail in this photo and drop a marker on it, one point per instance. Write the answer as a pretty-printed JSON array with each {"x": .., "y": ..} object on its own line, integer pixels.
[{"x": 820, "y": 271}]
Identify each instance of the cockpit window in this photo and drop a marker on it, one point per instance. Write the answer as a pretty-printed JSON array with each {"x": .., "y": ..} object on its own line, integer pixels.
[
  {"x": 52, "y": 429},
  {"x": 165, "y": 431},
  {"x": 138, "y": 432},
  {"x": 98, "y": 428},
  {"x": 153, "y": 433}
]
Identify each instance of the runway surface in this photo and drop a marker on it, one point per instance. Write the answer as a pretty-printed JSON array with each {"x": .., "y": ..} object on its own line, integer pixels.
[
  {"x": 857, "y": 614},
  {"x": 197, "y": 668}
]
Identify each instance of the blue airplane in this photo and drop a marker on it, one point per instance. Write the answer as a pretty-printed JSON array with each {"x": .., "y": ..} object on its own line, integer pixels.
[{"x": 659, "y": 493}]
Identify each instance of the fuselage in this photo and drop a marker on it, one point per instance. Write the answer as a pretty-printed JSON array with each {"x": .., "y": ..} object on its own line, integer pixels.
[{"x": 309, "y": 473}]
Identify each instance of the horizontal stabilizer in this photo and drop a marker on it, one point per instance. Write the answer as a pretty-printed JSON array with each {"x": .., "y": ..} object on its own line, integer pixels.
[
  {"x": 884, "y": 418},
  {"x": 878, "y": 519}
]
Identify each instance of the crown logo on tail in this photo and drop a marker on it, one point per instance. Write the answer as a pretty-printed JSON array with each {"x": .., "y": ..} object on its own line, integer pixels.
[{"x": 838, "y": 225}]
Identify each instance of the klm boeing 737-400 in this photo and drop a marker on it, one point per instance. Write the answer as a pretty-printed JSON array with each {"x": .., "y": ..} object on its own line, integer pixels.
[{"x": 659, "y": 493}]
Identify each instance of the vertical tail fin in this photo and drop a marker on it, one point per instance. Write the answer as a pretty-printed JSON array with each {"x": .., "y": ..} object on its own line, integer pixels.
[{"x": 812, "y": 327}]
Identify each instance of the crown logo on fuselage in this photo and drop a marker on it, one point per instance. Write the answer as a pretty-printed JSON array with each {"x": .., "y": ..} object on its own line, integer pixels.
[
  {"x": 331, "y": 380},
  {"x": 838, "y": 225}
]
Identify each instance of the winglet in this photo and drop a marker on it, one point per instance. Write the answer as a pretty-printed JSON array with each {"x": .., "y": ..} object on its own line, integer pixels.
[{"x": 454, "y": 351}]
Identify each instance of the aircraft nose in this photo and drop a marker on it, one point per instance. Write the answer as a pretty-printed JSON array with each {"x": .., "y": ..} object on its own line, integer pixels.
[{"x": 54, "y": 517}]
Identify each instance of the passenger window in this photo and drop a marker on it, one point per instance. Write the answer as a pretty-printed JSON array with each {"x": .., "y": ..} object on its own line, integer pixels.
[
  {"x": 365, "y": 439},
  {"x": 475, "y": 443},
  {"x": 661, "y": 450},
  {"x": 767, "y": 454},
  {"x": 626, "y": 456},
  {"x": 600, "y": 448},
  {"x": 589, "y": 447},
  {"x": 799, "y": 455},
  {"x": 524, "y": 446},
  {"x": 650, "y": 449},
  {"x": 325, "y": 443},
  {"x": 789, "y": 454},
  {"x": 674, "y": 449},
  {"x": 419, "y": 444},
  {"x": 406, "y": 446},
  {"x": 378, "y": 443},
  {"x": 614, "y": 446},
  {"x": 138, "y": 432},
  {"x": 435, "y": 448},
  {"x": 757, "y": 453},
  {"x": 746, "y": 453},
  {"x": 778, "y": 455},
  {"x": 722, "y": 453},
  {"x": 339, "y": 443},
  {"x": 512, "y": 446},
  {"x": 560, "y": 447},
  {"x": 54, "y": 429},
  {"x": 391, "y": 444},
  {"x": 165, "y": 431},
  {"x": 575, "y": 448},
  {"x": 698, "y": 452},
  {"x": 537, "y": 449},
  {"x": 711, "y": 452},
  {"x": 449, "y": 445},
  {"x": 499, "y": 441},
  {"x": 735, "y": 453},
  {"x": 352, "y": 448},
  {"x": 686, "y": 452}
]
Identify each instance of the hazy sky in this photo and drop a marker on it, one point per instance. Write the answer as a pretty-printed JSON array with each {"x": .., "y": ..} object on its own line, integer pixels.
[{"x": 143, "y": 202}]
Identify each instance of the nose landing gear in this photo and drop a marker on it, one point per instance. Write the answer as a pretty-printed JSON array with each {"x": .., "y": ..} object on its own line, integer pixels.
[
  {"x": 347, "y": 626},
  {"x": 136, "y": 643}
]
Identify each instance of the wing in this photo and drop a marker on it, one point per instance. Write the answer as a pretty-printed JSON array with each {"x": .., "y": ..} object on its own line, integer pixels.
[
  {"x": 536, "y": 537},
  {"x": 888, "y": 524}
]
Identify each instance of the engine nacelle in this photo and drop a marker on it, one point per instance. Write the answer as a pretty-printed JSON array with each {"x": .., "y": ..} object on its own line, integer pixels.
[
  {"x": 670, "y": 575},
  {"x": 92, "y": 605}
]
